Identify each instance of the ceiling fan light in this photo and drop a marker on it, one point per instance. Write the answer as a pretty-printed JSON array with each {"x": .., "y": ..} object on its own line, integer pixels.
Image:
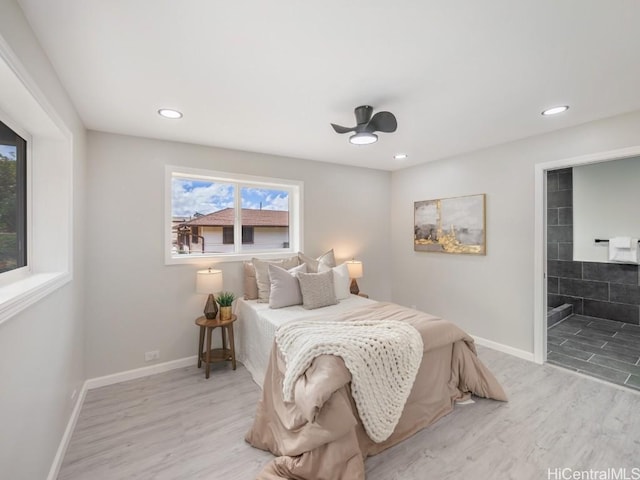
[{"x": 363, "y": 138}]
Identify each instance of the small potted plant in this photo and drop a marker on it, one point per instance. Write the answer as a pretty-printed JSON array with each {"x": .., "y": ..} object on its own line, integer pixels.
[{"x": 225, "y": 300}]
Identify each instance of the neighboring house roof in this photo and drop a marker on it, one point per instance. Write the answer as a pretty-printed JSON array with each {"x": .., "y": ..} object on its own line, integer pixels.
[{"x": 250, "y": 218}]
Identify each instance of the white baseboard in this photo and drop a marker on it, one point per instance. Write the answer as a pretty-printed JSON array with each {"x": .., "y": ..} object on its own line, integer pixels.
[
  {"x": 102, "y": 382},
  {"x": 140, "y": 372},
  {"x": 516, "y": 352},
  {"x": 64, "y": 443}
]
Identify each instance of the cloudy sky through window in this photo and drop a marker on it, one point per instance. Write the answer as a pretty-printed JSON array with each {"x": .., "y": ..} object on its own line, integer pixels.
[
  {"x": 8, "y": 151},
  {"x": 201, "y": 196}
]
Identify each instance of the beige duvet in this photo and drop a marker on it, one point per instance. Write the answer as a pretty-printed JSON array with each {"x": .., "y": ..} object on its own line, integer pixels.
[{"x": 319, "y": 436}]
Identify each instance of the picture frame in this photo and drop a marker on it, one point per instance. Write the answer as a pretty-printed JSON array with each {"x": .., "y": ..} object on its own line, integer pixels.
[{"x": 451, "y": 225}]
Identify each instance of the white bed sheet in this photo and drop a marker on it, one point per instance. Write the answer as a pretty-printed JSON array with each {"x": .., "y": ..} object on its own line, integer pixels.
[{"x": 257, "y": 324}]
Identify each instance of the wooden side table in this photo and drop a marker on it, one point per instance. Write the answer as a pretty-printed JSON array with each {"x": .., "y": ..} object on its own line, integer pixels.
[{"x": 211, "y": 355}]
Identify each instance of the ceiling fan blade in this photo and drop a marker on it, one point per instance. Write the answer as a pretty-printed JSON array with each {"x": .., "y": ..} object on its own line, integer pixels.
[
  {"x": 341, "y": 129},
  {"x": 383, "y": 122}
]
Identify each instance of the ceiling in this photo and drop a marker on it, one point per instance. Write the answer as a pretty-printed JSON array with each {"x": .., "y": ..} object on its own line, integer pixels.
[{"x": 270, "y": 77}]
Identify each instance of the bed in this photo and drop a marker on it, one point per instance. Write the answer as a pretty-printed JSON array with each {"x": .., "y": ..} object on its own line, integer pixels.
[
  {"x": 257, "y": 324},
  {"x": 320, "y": 434}
]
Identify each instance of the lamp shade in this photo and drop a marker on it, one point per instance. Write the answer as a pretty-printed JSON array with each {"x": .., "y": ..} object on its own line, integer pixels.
[
  {"x": 209, "y": 281},
  {"x": 355, "y": 268}
]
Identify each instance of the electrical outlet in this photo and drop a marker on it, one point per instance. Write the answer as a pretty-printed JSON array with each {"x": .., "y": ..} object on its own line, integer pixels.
[
  {"x": 152, "y": 355},
  {"x": 73, "y": 395}
]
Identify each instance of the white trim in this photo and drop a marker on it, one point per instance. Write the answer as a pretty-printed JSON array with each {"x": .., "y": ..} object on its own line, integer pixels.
[
  {"x": 49, "y": 168},
  {"x": 140, "y": 372},
  {"x": 540, "y": 244},
  {"x": 66, "y": 437},
  {"x": 540, "y": 268},
  {"x": 14, "y": 63},
  {"x": 102, "y": 382},
  {"x": 21, "y": 294},
  {"x": 516, "y": 352}
]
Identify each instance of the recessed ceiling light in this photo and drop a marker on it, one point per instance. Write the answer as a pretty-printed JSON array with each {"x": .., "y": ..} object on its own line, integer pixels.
[
  {"x": 169, "y": 113},
  {"x": 400, "y": 156},
  {"x": 555, "y": 110}
]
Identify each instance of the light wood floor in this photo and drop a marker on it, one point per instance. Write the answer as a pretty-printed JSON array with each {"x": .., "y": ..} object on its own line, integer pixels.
[{"x": 177, "y": 425}]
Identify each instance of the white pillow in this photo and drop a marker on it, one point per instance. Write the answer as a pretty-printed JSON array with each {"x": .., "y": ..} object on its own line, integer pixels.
[
  {"x": 256, "y": 277},
  {"x": 317, "y": 289},
  {"x": 341, "y": 281},
  {"x": 324, "y": 262},
  {"x": 262, "y": 277},
  {"x": 328, "y": 259},
  {"x": 285, "y": 287}
]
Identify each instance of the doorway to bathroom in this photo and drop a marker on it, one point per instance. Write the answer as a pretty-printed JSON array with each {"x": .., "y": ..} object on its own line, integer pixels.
[
  {"x": 591, "y": 315},
  {"x": 592, "y": 307}
]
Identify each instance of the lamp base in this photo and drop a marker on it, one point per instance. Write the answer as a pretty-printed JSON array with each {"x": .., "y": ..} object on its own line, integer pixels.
[
  {"x": 354, "y": 287},
  {"x": 211, "y": 308}
]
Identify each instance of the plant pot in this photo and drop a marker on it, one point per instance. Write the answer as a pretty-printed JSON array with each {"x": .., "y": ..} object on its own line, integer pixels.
[{"x": 225, "y": 314}]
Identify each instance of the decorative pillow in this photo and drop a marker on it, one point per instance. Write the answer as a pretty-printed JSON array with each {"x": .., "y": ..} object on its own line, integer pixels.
[
  {"x": 328, "y": 259},
  {"x": 341, "y": 281},
  {"x": 285, "y": 287},
  {"x": 250, "y": 280},
  {"x": 289, "y": 263},
  {"x": 262, "y": 277},
  {"x": 312, "y": 263},
  {"x": 317, "y": 289},
  {"x": 250, "y": 283},
  {"x": 324, "y": 262}
]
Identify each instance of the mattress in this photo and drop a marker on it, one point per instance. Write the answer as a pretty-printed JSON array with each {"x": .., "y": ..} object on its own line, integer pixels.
[{"x": 257, "y": 323}]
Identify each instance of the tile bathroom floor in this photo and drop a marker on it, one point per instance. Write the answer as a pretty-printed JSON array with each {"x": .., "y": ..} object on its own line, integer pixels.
[{"x": 605, "y": 349}]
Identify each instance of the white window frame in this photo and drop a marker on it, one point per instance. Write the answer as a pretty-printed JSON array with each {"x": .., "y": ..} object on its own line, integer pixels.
[
  {"x": 28, "y": 112},
  {"x": 293, "y": 187}
]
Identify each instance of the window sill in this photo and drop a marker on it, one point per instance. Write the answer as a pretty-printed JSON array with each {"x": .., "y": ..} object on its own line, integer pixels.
[
  {"x": 22, "y": 293},
  {"x": 228, "y": 257}
]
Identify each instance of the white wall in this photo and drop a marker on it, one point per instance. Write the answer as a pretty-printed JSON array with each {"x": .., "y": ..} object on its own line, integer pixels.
[
  {"x": 489, "y": 296},
  {"x": 41, "y": 349},
  {"x": 136, "y": 303},
  {"x": 213, "y": 241},
  {"x": 606, "y": 204},
  {"x": 263, "y": 237},
  {"x": 268, "y": 237}
]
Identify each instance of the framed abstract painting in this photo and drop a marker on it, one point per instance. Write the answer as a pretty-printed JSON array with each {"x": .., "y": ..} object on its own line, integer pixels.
[{"x": 451, "y": 225}]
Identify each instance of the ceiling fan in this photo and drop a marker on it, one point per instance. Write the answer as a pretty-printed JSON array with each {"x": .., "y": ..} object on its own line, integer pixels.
[{"x": 367, "y": 125}]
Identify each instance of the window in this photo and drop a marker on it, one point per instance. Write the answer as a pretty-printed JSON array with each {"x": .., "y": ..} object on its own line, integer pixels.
[
  {"x": 13, "y": 200},
  {"x": 247, "y": 235},
  {"x": 37, "y": 258},
  {"x": 228, "y": 216},
  {"x": 37, "y": 240},
  {"x": 227, "y": 235}
]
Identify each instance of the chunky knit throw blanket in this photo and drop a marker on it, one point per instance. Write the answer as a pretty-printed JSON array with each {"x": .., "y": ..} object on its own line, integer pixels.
[{"x": 382, "y": 356}]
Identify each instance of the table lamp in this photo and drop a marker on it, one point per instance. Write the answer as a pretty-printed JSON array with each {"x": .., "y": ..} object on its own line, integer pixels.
[
  {"x": 208, "y": 282},
  {"x": 355, "y": 271}
]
